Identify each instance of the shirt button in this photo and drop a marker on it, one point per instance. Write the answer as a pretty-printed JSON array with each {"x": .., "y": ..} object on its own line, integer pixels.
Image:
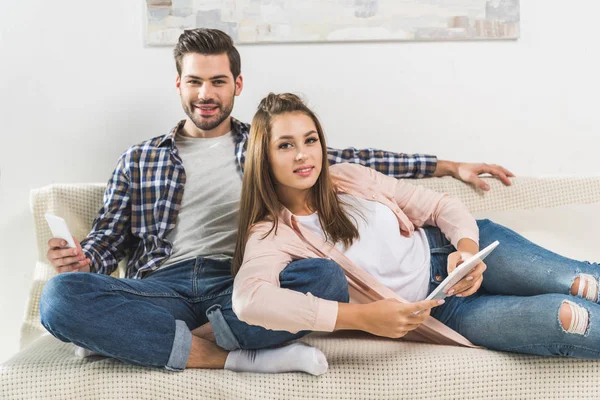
[
  {"x": 438, "y": 278},
  {"x": 397, "y": 210},
  {"x": 374, "y": 196}
]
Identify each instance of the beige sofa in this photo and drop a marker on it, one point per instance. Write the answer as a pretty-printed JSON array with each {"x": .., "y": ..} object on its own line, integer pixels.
[{"x": 361, "y": 366}]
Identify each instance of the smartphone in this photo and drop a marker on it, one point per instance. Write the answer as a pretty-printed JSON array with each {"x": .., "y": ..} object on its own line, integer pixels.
[{"x": 59, "y": 229}]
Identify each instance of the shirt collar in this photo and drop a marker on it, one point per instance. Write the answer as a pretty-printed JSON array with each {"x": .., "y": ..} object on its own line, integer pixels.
[
  {"x": 169, "y": 138},
  {"x": 287, "y": 217}
]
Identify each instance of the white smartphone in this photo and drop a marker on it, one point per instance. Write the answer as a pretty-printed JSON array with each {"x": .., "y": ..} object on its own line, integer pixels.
[
  {"x": 59, "y": 229},
  {"x": 460, "y": 272}
]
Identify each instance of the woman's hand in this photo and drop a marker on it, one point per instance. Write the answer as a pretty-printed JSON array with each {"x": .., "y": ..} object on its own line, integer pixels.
[
  {"x": 391, "y": 318},
  {"x": 470, "y": 283}
]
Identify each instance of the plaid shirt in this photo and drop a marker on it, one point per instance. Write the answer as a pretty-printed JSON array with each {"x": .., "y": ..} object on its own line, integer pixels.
[{"x": 144, "y": 193}]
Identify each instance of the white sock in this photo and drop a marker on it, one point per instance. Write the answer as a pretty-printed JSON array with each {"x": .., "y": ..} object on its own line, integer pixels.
[
  {"x": 83, "y": 353},
  {"x": 290, "y": 358}
]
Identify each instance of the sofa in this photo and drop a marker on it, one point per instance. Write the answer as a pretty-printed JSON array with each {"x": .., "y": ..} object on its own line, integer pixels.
[{"x": 560, "y": 213}]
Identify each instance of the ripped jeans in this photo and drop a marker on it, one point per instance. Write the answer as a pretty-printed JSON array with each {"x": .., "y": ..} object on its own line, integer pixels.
[{"x": 524, "y": 287}]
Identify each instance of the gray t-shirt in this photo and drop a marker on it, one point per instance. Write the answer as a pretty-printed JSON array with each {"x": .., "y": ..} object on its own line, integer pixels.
[{"x": 208, "y": 217}]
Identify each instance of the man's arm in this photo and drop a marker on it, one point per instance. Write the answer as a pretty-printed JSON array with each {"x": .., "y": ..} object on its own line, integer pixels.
[
  {"x": 469, "y": 172},
  {"x": 105, "y": 244},
  {"x": 400, "y": 165}
]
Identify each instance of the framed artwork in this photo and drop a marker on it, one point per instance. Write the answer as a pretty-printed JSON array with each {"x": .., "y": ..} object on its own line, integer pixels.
[{"x": 275, "y": 21}]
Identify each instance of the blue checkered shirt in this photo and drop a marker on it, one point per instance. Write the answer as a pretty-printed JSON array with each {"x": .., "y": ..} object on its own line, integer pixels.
[{"x": 144, "y": 193}]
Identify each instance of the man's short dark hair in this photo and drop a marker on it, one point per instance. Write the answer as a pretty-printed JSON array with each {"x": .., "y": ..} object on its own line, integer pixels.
[{"x": 208, "y": 42}]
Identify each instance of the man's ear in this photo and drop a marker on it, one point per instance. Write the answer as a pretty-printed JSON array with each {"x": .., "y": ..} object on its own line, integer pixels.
[
  {"x": 178, "y": 84},
  {"x": 239, "y": 85}
]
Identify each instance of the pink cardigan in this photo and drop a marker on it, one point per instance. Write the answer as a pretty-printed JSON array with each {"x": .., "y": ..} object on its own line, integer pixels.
[{"x": 258, "y": 298}]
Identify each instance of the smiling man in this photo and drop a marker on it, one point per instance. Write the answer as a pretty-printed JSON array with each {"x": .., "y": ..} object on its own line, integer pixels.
[
  {"x": 207, "y": 95},
  {"x": 171, "y": 205}
]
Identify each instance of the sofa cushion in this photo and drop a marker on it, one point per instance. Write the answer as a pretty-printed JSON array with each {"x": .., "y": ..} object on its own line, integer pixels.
[{"x": 360, "y": 367}]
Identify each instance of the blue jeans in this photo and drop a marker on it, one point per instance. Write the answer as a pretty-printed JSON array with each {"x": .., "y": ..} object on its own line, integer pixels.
[
  {"x": 517, "y": 307},
  {"x": 148, "y": 321}
]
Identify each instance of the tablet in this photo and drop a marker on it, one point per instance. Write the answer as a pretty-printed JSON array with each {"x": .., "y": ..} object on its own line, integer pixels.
[{"x": 460, "y": 272}]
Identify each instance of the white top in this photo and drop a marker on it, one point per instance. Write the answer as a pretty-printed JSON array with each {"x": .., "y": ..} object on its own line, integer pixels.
[
  {"x": 400, "y": 263},
  {"x": 208, "y": 217}
]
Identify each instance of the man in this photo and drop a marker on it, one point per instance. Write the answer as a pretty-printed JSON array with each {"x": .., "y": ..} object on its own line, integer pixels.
[{"x": 171, "y": 205}]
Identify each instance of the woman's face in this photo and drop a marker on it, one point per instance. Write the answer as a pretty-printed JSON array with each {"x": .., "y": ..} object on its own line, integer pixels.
[{"x": 295, "y": 153}]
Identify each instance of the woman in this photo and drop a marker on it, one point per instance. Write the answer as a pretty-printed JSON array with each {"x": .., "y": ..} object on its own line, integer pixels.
[{"x": 395, "y": 242}]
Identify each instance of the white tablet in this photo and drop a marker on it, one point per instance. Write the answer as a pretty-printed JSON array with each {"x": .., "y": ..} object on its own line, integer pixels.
[{"x": 460, "y": 272}]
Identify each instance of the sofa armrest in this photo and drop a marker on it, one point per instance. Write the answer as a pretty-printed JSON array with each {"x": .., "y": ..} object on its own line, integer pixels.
[{"x": 78, "y": 205}]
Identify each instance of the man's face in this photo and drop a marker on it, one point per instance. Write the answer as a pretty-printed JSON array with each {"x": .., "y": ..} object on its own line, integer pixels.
[{"x": 207, "y": 89}]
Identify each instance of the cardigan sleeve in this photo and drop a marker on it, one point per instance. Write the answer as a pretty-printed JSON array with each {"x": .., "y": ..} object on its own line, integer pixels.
[{"x": 258, "y": 298}]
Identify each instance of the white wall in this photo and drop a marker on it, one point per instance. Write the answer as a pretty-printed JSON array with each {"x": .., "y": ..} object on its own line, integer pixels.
[{"x": 77, "y": 87}]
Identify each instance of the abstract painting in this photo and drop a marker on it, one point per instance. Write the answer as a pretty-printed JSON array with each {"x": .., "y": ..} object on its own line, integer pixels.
[{"x": 264, "y": 21}]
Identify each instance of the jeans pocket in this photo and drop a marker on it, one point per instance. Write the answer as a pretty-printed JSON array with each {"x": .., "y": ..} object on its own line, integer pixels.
[{"x": 439, "y": 263}]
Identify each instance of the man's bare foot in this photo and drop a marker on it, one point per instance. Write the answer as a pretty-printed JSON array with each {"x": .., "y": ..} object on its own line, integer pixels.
[
  {"x": 206, "y": 354},
  {"x": 205, "y": 332}
]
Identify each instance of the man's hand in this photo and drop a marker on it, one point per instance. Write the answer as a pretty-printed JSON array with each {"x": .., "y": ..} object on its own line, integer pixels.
[
  {"x": 469, "y": 172},
  {"x": 66, "y": 259}
]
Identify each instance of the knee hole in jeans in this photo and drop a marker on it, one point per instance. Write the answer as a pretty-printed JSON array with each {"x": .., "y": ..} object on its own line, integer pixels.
[
  {"x": 585, "y": 286},
  {"x": 573, "y": 318}
]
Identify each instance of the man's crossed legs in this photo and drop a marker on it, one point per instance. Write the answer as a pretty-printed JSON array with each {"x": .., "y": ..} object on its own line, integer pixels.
[{"x": 149, "y": 321}]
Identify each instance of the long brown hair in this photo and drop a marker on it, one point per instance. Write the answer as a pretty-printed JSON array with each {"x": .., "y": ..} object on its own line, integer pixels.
[{"x": 259, "y": 200}]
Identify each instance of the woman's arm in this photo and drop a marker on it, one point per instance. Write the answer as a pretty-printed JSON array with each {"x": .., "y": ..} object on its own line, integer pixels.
[
  {"x": 422, "y": 206},
  {"x": 399, "y": 165},
  {"x": 456, "y": 222},
  {"x": 426, "y": 207},
  {"x": 388, "y": 317},
  {"x": 258, "y": 298}
]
